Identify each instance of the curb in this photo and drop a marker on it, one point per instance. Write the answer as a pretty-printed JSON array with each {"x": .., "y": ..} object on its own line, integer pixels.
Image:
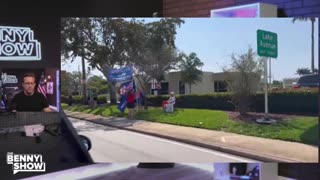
[{"x": 217, "y": 147}]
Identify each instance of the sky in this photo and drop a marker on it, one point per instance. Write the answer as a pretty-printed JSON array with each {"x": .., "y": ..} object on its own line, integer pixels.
[{"x": 215, "y": 39}]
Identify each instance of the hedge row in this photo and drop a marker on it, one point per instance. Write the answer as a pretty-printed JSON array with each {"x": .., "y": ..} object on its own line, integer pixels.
[
  {"x": 102, "y": 99},
  {"x": 286, "y": 102},
  {"x": 304, "y": 103},
  {"x": 292, "y": 102}
]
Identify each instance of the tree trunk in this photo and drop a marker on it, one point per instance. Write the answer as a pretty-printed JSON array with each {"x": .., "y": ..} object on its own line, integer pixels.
[
  {"x": 312, "y": 47},
  {"x": 144, "y": 90},
  {"x": 112, "y": 91},
  {"x": 189, "y": 88},
  {"x": 84, "y": 83},
  {"x": 145, "y": 101},
  {"x": 111, "y": 85}
]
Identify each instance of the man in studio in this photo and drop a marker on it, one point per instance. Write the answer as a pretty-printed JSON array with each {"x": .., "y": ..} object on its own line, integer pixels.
[{"x": 29, "y": 99}]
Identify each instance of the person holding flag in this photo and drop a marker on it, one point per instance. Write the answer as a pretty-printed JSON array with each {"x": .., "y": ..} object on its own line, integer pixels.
[
  {"x": 29, "y": 99},
  {"x": 127, "y": 97},
  {"x": 127, "y": 89},
  {"x": 131, "y": 98}
]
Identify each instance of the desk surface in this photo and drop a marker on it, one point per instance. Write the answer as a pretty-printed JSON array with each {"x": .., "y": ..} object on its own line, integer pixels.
[
  {"x": 28, "y": 118},
  {"x": 229, "y": 177}
]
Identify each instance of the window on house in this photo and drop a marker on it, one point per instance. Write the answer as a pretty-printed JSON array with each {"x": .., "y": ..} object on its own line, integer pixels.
[
  {"x": 181, "y": 88},
  {"x": 164, "y": 88},
  {"x": 220, "y": 86}
]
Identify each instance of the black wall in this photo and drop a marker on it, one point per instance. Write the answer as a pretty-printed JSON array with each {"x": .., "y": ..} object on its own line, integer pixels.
[
  {"x": 301, "y": 171},
  {"x": 46, "y": 31},
  {"x": 111, "y": 8}
]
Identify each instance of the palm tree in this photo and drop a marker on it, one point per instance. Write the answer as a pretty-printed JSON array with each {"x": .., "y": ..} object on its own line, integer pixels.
[
  {"x": 189, "y": 68},
  {"x": 303, "y": 71},
  {"x": 312, "y": 19}
]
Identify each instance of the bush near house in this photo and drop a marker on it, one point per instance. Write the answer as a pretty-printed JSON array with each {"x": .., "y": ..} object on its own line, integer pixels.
[
  {"x": 102, "y": 99},
  {"x": 292, "y": 102},
  {"x": 76, "y": 99},
  {"x": 289, "y": 102},
  {"x": 208, "y": 101},
  {"x": 279, "y": 102}
]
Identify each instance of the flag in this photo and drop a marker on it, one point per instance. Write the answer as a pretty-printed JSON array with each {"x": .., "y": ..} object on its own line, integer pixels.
[
  {"x": 122, "y": 74},
  {"x": 123, "y": 103},
  {"x": 42, "y": 86},
  {"x": 126, "y": 87}
]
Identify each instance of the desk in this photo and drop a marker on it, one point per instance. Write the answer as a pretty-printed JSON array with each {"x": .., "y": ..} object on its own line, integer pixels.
[
  {"x": 28, "y": 118},
  {"x": 231, "y": 177}
]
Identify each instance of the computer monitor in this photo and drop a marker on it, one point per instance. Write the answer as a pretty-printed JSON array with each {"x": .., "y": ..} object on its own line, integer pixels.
[{"x": 246, "y": 11}]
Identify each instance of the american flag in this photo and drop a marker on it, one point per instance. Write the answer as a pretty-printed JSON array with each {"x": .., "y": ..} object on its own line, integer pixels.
[
  {"x": 42, "y": 86},
  {"x": 127, "y": 86}
]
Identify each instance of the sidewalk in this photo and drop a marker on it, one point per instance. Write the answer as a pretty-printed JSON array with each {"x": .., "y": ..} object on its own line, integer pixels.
[{"x": 260, "y": 149}]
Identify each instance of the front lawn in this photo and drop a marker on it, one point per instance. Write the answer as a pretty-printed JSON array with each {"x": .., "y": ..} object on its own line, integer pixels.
[{"x": 298, "y": 128}]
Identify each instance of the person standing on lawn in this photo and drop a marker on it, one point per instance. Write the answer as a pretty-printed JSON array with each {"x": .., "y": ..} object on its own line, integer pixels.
[
  {"x": 70, "y": 100},
  {"x": 139, "y": 100},
  {"x": 131, "y": 103},
  {"x": 169, "y": 104}
]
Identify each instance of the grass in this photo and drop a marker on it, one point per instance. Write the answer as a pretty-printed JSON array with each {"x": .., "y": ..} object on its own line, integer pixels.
[
  {"x": 101, "y": 110},
  {"x": 298, "y": 129}
]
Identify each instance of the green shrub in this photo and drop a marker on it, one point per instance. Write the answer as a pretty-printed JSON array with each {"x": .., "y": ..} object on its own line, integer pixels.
[
  {"x": 64, "y": 106},
  {"x": 63, "y": 99},
  {"x": 102, "y": 98},
  {"x": 209, "y": 101},
  {"x": 298, "y": 102},
  {"x": 76, "y": 99},
  {"x": 288, "y": 102}
]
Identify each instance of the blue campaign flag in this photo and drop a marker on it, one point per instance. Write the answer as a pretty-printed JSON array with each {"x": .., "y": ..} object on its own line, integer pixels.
[
  {"x": 124, "y": 89},
  {"x": 122, "y": 74},
  {"x": 123, "y": 103}
]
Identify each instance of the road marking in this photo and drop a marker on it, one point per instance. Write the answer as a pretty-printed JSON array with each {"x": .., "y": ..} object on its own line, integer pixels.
[{"x": 184, "y": 145}]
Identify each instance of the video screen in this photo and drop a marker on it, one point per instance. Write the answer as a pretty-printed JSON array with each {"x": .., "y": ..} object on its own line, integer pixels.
[
  {"x": 30, "y": 90},
  {"x": 227, "y": 91},
  {"x": 31, "y": 121},
  {"x": 222, "y": 83}
]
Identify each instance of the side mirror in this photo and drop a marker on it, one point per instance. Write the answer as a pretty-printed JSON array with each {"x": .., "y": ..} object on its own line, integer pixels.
[{"x": 86, "y": 142}]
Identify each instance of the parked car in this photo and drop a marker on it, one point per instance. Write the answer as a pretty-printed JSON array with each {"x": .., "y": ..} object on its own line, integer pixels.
[
  {"x": 310, "y": 81},
  {"x": 295, "y": 85}
]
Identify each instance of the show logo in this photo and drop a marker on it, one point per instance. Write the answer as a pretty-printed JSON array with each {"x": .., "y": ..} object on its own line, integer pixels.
[
  {"x": 18, "y": 43},
  {"x": 26, "y": 162}
]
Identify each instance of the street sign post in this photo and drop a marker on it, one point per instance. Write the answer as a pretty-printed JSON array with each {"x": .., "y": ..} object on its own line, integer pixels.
[{"x": 267, "y": 45}]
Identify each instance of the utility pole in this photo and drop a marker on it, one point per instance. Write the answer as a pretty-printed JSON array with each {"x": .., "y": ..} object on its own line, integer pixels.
[
  {"x": 270, "y": 82},
  {"x": 84, "y": 83}
]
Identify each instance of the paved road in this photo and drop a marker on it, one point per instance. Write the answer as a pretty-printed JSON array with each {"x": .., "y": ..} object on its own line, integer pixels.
[{"x": 114, "y": 145}]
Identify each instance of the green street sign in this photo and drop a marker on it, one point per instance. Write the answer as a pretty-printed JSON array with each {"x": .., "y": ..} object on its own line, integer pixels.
[{"x": 267, "y": 43}]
